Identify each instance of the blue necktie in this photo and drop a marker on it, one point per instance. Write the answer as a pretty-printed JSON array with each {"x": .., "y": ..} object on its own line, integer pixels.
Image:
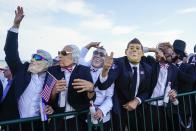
[{"x": 134, "y": 83}]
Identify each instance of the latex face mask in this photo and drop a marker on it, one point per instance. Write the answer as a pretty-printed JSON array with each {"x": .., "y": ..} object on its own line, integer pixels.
[
  {"x": 97, "y": 60},
  {"x": 134, "y": 53},
  {"x": 38, "y": 64}
]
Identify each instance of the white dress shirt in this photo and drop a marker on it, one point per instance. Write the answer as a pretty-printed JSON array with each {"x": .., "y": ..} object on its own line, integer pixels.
[
  {"x": 103, "y": 99},
  {"x": 138, "y": 76},
  {"x": 159, "y": 89},
  {"x": 179, "y": 63},
  {"x": 13, "y": 29},
  {"x": 28, "y": 103},
  {"x": 62, "y": 101},
  {"x": 82, "y": 59}
]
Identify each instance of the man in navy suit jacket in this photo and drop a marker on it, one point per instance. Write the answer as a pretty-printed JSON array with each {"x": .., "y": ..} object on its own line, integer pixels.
[
  {"x": 132, "y": 82},
  {"x": 22, "y": 99},
  {"x": 71, "y": 91},
  {"x": 164, "y": 72},
  {"x": 184, "y": 105}
]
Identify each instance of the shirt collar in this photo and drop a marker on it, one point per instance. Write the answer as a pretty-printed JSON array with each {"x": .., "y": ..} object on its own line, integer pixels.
[
  {"x": 94, "y": 69},
  {"x": 69, "y": 69},
  {"x": 134, "y": 65},
  {"x": 180, "y": 62}
]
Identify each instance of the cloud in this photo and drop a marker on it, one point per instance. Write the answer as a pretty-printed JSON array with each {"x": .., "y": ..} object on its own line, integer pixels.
[
  {"x": 187, "y": 10},
  {"x": 40, "y": 29},
  {"x": 164, "y": 35},
  {"x": 98, "y": 22},
  {"x": 118, "y": 30},
  {"x": 78, "y": 7}
]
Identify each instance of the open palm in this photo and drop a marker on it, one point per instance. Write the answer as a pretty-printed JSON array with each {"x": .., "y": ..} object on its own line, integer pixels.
[{"x": 19, "y": 14}]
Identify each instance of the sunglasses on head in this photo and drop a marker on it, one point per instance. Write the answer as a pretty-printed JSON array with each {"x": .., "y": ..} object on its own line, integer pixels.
[
  {"x": 38, "y": 57},
  {"x": 64, "y": 53},
  {"x": 101, "y": 54}
]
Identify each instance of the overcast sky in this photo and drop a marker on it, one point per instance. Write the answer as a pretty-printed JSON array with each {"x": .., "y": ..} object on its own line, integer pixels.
[{"x": 51, "y": 24}]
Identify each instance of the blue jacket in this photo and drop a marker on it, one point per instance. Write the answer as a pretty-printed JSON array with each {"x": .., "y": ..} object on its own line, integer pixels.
[{"x": 21, "y": 78}]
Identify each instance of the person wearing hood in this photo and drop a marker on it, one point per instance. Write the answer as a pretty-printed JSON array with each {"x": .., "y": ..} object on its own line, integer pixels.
[{"x": 179, "y": 47}]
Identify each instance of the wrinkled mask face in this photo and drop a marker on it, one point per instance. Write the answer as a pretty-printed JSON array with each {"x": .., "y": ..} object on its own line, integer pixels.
[
  {"x": 134, "y": 53},
  {"x": 98, "y": 58},
  {"x": 38, "y": 64},
  {"x": 169, "y": 55},
  {"x": 65, "y": 57}
]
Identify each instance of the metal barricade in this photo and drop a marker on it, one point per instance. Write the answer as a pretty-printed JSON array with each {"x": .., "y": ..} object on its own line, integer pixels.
[{"x": 147, "y": 117}]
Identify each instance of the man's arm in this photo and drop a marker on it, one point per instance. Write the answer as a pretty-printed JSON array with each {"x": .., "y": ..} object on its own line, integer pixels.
[
  {"x": 106, "y": 106},
  {"x": 108, "y": 74},
  {"x": 11, "y": 47},
  {"x": 84, "y": 52}
]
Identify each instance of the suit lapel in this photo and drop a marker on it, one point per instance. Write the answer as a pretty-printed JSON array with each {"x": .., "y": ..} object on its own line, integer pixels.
[
  {"x": 73, "y": 74},
  {"x": 129, "y": 69},
  {"x": 60, "y": 74},
  {"x": 141, "y": 73}
]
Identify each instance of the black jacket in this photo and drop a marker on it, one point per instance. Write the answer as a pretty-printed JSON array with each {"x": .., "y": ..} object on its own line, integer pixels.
[{"x": 78, "y": 101}]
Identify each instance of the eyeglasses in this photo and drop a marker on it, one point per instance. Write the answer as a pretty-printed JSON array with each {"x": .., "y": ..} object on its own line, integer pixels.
[
  {"x": 64, "y": 53},
  {"x": 101, "y": 54},
  {"x": 38, "y": 57}
]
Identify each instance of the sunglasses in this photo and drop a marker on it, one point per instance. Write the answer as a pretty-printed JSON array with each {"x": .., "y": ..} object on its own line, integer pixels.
[
  {"x": 64, "y": 53},
  {"x": 101, "y": 54},
  {"x": 38, "y": 57}
]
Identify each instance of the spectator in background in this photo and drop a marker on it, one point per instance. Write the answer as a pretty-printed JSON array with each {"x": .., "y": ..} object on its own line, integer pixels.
[
  {"x": 192, "y": 57},
  {"x": 183, "y": 87},
  {"x": 8, "y": 75},
  {"x": 1, "y": 90},
  {"x": 1, "y": 82},
  {"x": 192, "y": 61},
  {"x": 2, "y": 78},
  {"x": 103, "y": 101}
]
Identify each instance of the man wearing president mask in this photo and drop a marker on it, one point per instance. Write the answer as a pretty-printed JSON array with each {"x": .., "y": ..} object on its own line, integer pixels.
[
  {"x": 103, "y": 102},
  {"x": 23, "y": 97},
  {"x": 132, "y": 81},
  {"x": 165, "y": 74},
  {"x": 72, "y": 88}
]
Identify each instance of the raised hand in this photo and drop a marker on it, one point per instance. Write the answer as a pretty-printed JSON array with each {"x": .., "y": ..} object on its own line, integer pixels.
[
  {"x": 159, "y": 55},
  {"x": 92, "y": 44},
  {"x": 107, "y": 64},
  {"x": 19, "y": 14}
]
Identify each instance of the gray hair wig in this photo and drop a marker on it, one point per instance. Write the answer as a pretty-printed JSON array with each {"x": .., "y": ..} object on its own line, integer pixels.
[{"x": 75, "y": 53}]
